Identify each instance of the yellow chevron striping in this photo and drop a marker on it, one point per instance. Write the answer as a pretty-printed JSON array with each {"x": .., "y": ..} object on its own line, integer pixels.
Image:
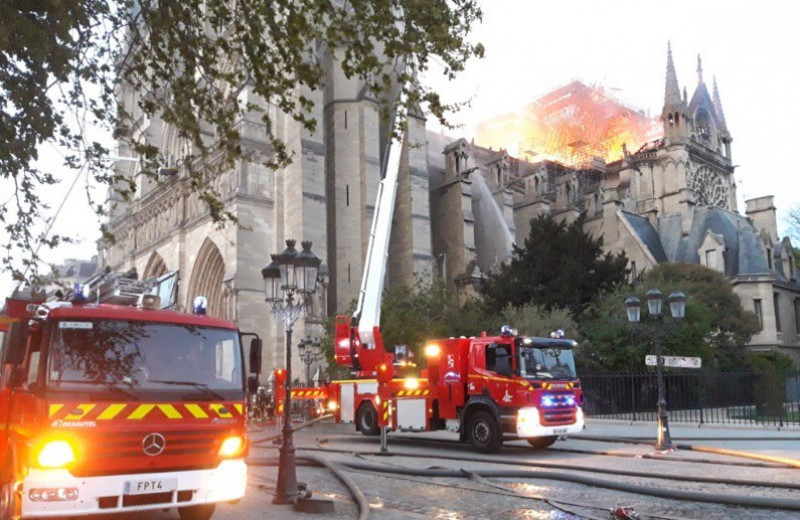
[
  {"x": 84, "y": 408},
  {"x": 170, "y": 411},
  {"x": 54, "y": 408},
  {"x": 217, "y": 407},
  {"x": 141, "y": 411},
  {"x": 197, "y": 411},
  {"x": 110, "y": 412},
  {"x": 239, "y": 407}
]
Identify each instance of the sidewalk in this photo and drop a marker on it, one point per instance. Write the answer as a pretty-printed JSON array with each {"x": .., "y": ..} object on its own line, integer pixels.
[{"x": 763, "y": 441}]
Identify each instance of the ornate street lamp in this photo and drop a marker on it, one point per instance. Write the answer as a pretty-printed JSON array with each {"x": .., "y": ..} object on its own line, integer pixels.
[
  {"x": 677, "y": 305},
  {"x": 289, "y": 280},
  {"x": 310, "y": 350}
]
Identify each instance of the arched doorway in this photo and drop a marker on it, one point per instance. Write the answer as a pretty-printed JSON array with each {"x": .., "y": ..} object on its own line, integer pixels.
[
  {"x": 155, "y": 267},
  {"x": 206, "y": 280}
]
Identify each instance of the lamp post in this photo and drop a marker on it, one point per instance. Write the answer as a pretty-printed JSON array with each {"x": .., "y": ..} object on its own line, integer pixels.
[
  {"x": 310, "y": 350},
  {"x": 289, "y": 280},
  {"x": 677, "y": 305}
]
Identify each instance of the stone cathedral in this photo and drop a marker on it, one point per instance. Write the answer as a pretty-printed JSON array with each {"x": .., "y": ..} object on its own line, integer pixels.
[{"x": 459, "y": 209}]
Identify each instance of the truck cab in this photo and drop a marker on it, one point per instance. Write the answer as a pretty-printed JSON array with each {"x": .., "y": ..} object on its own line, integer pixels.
[{"x": 110, "y": 408}]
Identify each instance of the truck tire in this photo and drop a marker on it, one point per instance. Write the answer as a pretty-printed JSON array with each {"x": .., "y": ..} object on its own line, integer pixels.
[
  {"x": 8, "y": 498},
  {"x": 483, "y": 433},
  {"x": 367, "y": 419},
  {"x": 7, "y": 502},
  {"x": 541, "y": 443},
  {"x": 198, "y": 512}
]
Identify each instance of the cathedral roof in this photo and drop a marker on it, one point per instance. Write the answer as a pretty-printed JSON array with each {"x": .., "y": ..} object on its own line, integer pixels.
[
  {"x": 647, "y": 234},
  {"x": 744, "y": 251}
]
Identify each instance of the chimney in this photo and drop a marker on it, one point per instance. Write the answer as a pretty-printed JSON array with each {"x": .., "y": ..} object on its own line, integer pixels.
[{"x": 762, "y": 212}]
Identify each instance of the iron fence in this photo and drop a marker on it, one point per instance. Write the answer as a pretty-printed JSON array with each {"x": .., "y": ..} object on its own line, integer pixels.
[{"x": 697, "y": 397}]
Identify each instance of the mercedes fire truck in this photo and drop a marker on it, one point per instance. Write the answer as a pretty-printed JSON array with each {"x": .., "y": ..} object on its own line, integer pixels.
[
  {"x": 109, "y": 408},
  {"x": 484, "y": 388}
]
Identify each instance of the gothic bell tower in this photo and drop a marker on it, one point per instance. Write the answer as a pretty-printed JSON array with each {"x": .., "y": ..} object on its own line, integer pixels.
[
  {"x": 710, "y": 174},
  {"x": 674, "y": 115}
]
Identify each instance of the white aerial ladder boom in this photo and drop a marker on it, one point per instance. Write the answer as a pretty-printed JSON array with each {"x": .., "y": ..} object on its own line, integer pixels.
[{"x": 368, "y": 310}]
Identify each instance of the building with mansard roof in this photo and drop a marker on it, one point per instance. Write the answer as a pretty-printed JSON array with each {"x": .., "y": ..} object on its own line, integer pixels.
[
  {"x": 672, "y": 200},
  {"x": 459, "y": 209}
]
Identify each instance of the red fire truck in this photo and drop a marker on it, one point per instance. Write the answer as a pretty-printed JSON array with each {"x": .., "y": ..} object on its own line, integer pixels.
[
  {"x": 107, "y": 408},
  {"x": 483, "y": 388}
]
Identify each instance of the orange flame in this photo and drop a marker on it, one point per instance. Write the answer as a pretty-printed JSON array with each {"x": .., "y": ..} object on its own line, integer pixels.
[{"x": 572, "y": 125}]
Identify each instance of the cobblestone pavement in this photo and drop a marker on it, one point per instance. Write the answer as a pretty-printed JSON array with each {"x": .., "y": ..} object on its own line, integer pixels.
[
  {"x": 401, "y": 496},
  {"x": 393, "y": 496}
]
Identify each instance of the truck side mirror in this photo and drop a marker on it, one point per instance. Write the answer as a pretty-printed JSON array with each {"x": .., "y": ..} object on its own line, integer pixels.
[
  {"x": 255, "y": 356},
  {"x": 252, "y": 384}
]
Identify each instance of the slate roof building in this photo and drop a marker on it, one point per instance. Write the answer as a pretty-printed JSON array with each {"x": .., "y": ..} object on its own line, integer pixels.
[
  {"x": 672, "y": 200},
  {"x": 459, "y": 208}
]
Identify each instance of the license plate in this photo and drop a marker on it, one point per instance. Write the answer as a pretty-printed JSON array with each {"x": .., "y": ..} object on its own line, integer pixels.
[
  {"x": 559, "y": 431},
  {"x": 153, "y": 485}
]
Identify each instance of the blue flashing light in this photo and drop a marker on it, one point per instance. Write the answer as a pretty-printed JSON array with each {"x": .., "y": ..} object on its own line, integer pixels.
[
  {"x": 570, "y": 400},
  {"x": 547, "y": 400},
  {"x": 506, "y": 330},
  {"x": 200, "y": 305},
  {"x": 80, "y": 293}
]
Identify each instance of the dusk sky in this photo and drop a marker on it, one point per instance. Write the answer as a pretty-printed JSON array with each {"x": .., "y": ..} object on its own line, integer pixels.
[{"x": 621, "y": 45}]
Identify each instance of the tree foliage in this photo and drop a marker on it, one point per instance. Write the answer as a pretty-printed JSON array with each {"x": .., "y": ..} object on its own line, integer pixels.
[
  {"x": 558, "y": 266},
  {"x": 189, "y": 61},
  {"x": 716, "y": 327},
  {"x": 412, "y": 315}
]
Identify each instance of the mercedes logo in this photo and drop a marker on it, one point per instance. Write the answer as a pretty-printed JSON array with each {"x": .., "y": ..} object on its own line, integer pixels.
[{"x": 153, "y": 444}]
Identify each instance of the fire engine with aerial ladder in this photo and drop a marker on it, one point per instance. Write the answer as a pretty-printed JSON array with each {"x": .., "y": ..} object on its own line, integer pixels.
[
  {"x": 484, "y": 388},
  {"x": 109, "y": 403}
]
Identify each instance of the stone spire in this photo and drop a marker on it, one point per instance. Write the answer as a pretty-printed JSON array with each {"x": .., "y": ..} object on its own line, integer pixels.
[
  {"x": 718, "y": 107},
  {"x": 699, "y": 70},
  {"x": 674, "y": 113},
  {"x": 672, "y": 93}
]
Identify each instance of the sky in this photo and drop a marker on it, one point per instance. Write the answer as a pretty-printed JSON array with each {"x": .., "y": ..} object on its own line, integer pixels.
[{"x": 533, "y": 47}]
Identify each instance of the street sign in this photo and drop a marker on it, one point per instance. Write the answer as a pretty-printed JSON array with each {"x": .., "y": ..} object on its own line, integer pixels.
[{"x": 674, "y": 361}]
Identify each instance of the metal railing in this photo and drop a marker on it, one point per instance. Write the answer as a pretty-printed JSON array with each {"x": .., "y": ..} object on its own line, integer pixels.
[{"x": 759, "y": 399}]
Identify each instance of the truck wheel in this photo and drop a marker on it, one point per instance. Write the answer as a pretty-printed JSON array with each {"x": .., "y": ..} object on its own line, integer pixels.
[
  {"x": 483, "y": 433},
  {"x": 367, "y": 419},
  {"x": 198, "y": 512},
  {"x": 8, "y": 498},
  {"x": 7, "y": 502},
  {"x": 541, "y": 443}
]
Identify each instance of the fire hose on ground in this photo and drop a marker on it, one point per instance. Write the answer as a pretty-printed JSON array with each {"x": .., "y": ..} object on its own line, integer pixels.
[{"x": 692, "y": 496}]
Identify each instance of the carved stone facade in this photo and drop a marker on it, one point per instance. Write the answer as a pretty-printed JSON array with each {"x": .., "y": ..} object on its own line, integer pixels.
[
  {"x": 326, "y": 195},
  {"x": 459, "y": 210},
  {"x": 673, "y": 200}
]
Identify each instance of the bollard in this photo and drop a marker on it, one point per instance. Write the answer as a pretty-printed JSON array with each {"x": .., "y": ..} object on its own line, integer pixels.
[{"x": 384, "y": 440}]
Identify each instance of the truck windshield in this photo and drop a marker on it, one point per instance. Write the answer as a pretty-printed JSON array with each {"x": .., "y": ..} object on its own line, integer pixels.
[
  {"x": 140, "y": 356},
  {"x": 546, "y": 363}
]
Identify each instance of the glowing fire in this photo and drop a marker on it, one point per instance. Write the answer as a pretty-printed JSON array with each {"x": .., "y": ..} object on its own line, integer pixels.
[{"x": 572, "y": 125}]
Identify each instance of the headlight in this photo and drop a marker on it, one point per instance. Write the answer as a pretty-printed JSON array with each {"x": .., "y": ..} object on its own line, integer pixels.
[
  {"x": 527, "y": 422},
  {"x": 432, "y": 350},
  {"x": 232, "y": 446},
  {"x": 411, "y": 383},
  {"x": 55, "y": 454}
]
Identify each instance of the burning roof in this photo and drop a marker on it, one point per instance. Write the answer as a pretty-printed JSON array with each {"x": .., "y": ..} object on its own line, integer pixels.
[{"x": 573, "y": 125}]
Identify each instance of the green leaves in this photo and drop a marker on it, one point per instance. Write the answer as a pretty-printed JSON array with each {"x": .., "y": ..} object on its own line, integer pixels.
[
  {"x": 559, "y": 266},
  {"x": 196, "y": 66},
  {"x": 716, "y": 327}
]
